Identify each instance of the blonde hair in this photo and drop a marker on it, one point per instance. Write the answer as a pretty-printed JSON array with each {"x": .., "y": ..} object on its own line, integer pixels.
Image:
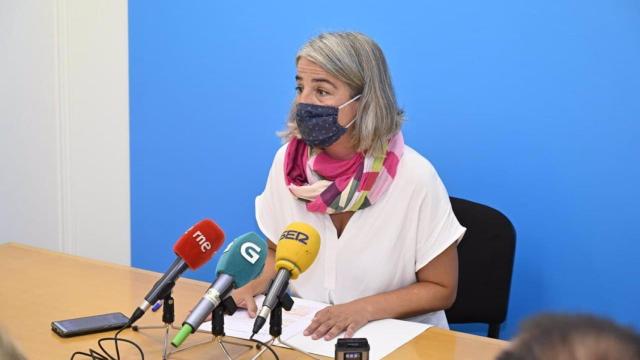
[{"x": 359, "y": 62}]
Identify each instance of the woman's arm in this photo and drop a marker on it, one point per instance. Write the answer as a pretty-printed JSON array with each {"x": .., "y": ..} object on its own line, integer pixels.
[
  {"x": 244, "y": 296},
  {"x": 435, "y": 289}
]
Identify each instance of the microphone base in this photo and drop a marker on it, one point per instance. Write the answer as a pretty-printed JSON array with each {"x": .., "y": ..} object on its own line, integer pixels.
[
  {"x": 165, "y": 351},
  {"x": 275, "y": 297},
  {"x": 221, "y": 343},
  {"x": 227, "y": 306},
  {"x": 168, "y": 317},
  {"x": 275, "y": 317},
  {"x": 275, "y": 320}
]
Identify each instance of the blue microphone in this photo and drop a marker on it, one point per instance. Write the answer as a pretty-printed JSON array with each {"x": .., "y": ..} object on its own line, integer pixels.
[{"x": 241, "y": 262}]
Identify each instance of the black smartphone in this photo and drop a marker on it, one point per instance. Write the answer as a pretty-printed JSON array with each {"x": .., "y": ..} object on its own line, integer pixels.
[{"x": 89, "y": 324}]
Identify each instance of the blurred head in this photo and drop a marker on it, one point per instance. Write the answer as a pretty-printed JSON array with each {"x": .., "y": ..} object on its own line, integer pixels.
[
  {"x": 8, "y": 350},
  {"x": 334, "y": 68},
  {"x": 572, "y": 337}
]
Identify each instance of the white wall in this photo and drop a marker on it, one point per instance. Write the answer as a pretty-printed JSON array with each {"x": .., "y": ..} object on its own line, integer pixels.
[{"x": 64, "y": 126}]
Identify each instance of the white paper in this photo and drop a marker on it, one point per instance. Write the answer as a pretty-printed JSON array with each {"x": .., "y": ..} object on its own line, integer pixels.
[
  {"x": 293, "y": 322},
  {"x": 381, "y": 340}
]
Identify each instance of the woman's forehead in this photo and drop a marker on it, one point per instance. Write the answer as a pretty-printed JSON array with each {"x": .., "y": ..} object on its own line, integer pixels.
[
  {"x": 308, "y": 70},
  {"x": 306, "y": 66}
]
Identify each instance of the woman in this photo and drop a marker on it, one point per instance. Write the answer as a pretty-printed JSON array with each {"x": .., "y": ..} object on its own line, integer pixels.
[{"x": 388, "y": 234}]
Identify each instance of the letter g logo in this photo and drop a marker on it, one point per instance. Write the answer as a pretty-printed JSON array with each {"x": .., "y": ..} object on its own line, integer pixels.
[{"x": 250, "y": 251}]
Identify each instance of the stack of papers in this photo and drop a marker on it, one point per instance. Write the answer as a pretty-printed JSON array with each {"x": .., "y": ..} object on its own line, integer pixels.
[{"x": 381, "y": 340}]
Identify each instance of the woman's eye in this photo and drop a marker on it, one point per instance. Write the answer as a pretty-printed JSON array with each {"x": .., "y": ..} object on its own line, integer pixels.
[
  {"x": 321, "y": 92},
  {"x": 298, "y": 89}
]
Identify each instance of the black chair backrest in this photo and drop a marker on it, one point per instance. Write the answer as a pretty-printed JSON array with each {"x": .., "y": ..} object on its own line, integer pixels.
[{"x": 485, "y": 257}]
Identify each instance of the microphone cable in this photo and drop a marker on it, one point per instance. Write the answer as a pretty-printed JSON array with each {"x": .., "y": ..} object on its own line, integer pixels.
[
  {"x": 96, "y": 355},
  {"x": 106, "y": 355}
]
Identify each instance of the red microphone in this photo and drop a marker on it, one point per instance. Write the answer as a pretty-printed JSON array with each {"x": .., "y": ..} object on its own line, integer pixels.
[
  {"x": 199, "y": 243},
  {"x": 193, "y": 249}
]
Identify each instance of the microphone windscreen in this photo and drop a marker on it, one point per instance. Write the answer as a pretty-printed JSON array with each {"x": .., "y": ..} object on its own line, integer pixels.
[
  {"x": 243, "y": 259},
  {"x": 297, "y": 248},
  {"x": 199, "y": 243}
]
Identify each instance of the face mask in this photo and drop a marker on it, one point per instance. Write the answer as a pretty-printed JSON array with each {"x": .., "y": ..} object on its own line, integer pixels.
[{"x": 318, "y": 124}]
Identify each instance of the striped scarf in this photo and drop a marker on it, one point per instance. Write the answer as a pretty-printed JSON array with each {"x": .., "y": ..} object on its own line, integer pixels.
[{"x": 333, "y": 186}]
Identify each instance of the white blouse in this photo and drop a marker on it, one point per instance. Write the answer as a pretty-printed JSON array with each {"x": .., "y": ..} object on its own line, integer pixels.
[{"x": 382, "y": 246}]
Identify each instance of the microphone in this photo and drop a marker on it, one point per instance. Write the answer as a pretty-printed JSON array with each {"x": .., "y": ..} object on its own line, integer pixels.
[
  {"x": 297, "y": 249},
  {"x": 241, "y": 262},
  {"x": 193, "y": 249}
]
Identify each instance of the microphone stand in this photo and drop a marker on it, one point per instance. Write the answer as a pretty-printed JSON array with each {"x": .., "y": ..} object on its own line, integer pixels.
[
  {"x": 275, "y": 325},
  {"x": 227, "y": 306},
  {"x": 168, "y": 317}
]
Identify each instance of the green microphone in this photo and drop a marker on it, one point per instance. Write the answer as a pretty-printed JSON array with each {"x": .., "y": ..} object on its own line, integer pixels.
[{"x": 241, "y": 262}]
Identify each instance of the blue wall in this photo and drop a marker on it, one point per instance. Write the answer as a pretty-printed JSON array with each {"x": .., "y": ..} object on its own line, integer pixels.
[{"x": 529, "y": 106}]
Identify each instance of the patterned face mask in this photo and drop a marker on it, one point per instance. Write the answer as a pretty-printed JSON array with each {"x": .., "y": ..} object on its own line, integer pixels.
[{"x": 318, "y": 124}]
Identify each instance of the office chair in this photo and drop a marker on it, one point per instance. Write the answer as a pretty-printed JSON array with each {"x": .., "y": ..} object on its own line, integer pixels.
[{"x": 485, "y": 258}]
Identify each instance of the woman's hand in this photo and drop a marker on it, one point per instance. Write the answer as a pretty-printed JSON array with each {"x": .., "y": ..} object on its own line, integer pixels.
[
  {"x": 332, "y": 320},
  {"x": 244, "y": 296},
  {"x": 244, "y": 299}
]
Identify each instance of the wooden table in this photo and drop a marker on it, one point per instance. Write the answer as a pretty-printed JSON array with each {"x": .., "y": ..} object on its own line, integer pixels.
[{"x": 38, "y": 286}]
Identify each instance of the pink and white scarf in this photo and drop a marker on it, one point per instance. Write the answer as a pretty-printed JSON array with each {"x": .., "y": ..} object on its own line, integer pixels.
[{"x": 334, "y": 186}]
